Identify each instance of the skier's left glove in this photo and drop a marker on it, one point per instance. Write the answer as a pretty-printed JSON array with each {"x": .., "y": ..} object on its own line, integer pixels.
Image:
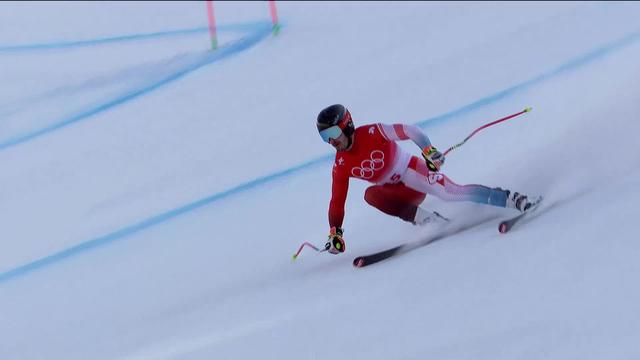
[
  {"x": 433, "y": 157},
  {"x": 335, "y": 242}
]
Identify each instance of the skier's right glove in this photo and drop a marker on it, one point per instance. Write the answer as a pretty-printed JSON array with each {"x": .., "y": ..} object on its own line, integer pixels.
[
  {"x": 433, "y": 158},
  {"x": 335, "y": 243}
]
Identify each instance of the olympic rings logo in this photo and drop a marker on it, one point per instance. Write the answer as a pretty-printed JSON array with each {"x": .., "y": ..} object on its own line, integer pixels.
[{"x": 368, "y": 167}]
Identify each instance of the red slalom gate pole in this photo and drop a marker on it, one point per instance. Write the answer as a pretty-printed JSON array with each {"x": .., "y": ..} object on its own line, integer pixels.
[
  {"x": 212, "y": 25},
  {"x": 486, "y": 126},
  {"x": 274, "y": 17}
]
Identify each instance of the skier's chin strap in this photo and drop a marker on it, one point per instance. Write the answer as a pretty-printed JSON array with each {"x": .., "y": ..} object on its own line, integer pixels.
[{"x": 350, "y": 138}]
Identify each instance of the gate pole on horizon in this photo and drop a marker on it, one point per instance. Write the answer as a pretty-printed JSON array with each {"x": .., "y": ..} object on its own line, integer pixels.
[
  {"x": 274, "y": 17},
  {"x": 212, "y": 25}
]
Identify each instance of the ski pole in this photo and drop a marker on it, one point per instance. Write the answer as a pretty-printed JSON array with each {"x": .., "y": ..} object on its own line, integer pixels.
[
  {"x": 486, "y": 126},
  {"x": 295, "y": 256}
]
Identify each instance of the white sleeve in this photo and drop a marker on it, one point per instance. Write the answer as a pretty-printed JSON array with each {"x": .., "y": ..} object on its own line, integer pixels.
[{"x": 405, "y": 132}]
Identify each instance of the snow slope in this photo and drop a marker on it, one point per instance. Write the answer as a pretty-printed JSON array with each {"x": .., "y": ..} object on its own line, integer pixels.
[{"x": 153, "y": 191}]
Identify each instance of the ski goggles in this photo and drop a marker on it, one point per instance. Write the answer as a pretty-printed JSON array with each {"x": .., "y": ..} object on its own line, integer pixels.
[{"x": 333, "y": 132}]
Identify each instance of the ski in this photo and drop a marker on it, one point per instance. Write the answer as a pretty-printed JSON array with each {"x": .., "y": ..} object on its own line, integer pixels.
[
  {"x": 362, "y": 261},
  {"x": 366, "y": 260},
  {"x": 508, "y": 224},
  {"x": 505, "y": 226}
]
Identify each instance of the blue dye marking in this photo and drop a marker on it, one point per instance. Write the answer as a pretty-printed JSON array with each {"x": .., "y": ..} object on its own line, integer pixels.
[
  {"x": 123, "y": 38},
  {"x": 260, "y": 33}
]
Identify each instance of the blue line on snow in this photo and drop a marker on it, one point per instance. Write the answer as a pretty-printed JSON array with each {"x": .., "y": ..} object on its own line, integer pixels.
[
  {"x": 263, "y": 31},
  {"x": 566, "y": 67},
  {"x": 106, "y": 40},
  {"x": 132, "y": 229}
]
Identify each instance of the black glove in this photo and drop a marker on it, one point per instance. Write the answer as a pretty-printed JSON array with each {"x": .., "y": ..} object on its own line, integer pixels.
[{"x": 335, "y": 243}]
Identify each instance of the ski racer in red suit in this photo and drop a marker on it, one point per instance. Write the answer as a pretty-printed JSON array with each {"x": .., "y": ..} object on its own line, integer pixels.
[{"x": 401, "y": 181}]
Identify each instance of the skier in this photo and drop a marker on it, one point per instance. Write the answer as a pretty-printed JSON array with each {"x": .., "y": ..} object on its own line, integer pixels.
[{"x": 401, "y": 181}]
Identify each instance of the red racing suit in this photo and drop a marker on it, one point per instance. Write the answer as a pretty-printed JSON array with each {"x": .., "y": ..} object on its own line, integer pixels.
[{"x": 401, "y": 180}]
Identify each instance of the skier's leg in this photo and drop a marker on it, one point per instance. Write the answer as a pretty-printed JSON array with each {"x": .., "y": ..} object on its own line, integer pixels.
[
  {"x": 419, "y": 178},
  {"x": 395, "y": 199}
]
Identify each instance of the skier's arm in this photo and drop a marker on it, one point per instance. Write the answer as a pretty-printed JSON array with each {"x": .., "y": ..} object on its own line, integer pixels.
[
  {"x": 406, "y": 132},
  {"x": 339, "y": 189},
  {"x": 431, "y": 155}
]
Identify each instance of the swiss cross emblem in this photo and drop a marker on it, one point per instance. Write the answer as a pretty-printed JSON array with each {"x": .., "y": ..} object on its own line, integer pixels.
[
  {"x": 372, "y": 130},
  {"x": 341, "y": 161}
]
